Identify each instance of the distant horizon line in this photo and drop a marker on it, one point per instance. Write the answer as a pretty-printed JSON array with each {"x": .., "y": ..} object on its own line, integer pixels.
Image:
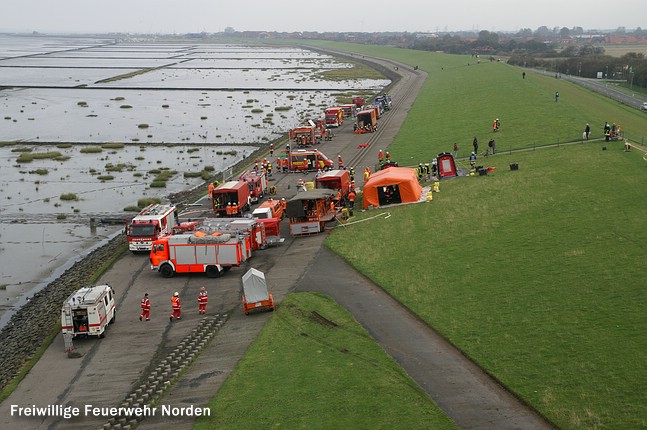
[{"x": 80, "y": 33}]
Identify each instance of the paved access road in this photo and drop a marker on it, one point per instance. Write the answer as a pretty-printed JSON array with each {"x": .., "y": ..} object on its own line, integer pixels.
[{"x": 109, "y": 369}]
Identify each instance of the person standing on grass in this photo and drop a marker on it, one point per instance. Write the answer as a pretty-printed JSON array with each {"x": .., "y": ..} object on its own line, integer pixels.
[
  {"x": 556, "y": 96},
  {"x": 475, "y": 144},
  {"x": 455, "y": 150},
  {"x": 587, "y": 131}
]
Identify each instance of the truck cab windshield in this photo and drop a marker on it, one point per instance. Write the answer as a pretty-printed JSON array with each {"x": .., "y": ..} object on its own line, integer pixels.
[{"x": 142, "y": 230}]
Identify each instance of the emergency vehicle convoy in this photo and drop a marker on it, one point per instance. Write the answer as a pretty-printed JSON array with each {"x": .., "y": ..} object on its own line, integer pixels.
[
  {"x": 350, "y": 110},
  {"x": 199, "y": 253},
  {"x": 231, "y": 198},
  {"x": 270, "y": 208},
  {"x": 309, "y": 211},
  {"x": 261, "y": 232},
  {"x": 304, "y": 160},
  {"x": 334, "y": 116},
  {"x": 366, "y": 121},
  {"x": 335, "y": 180},
  {"x": 304, "y": 136},
  {"x": 257, "y": 183},
  {"x": 385, "y": 101},
  {"x": 153, "y": 222},
  {"x": 89, "y": 311}
]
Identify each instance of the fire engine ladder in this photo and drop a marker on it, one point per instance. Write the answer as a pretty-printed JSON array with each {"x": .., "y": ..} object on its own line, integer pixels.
[
  {"x": 67, "y": 337},
  {"x": 68, "y": 316}
]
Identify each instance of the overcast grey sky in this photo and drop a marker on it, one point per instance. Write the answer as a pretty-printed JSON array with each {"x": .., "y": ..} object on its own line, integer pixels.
[{"x": 187, "y": 16}]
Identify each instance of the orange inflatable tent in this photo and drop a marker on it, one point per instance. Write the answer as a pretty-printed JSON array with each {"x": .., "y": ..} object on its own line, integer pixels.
[{"x": 392, "y": 185}]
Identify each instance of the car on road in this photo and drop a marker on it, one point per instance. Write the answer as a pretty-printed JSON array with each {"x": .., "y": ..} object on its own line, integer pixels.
[{"x": 644, "y": 106}]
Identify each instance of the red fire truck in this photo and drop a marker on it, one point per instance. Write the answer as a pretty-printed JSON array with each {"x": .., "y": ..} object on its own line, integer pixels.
[
  {"x": 153, "y": 222},
  {"x": 334, "y": 116},
  {"x": 231, "y": 194},
  {"x": 257, "y": 183},
  {"x": 199, "y": 253}
]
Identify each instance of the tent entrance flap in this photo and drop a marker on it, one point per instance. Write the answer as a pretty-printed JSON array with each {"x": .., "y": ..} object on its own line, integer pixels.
[
  {"x": 389, "y": 195},
  {"x": 397, "y": 184}
]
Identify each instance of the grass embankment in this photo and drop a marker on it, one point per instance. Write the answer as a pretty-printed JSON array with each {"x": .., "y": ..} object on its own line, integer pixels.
[
  {"x": 461, "y": 98},
  {"x": 314, "y": 366},
  {"x": 535, "y": 274}
]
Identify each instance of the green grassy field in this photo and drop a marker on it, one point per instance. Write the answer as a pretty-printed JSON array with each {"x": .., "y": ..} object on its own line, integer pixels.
[
  {"x": 314, "y": 367},
  {"x": 620, "y": 50},
  {"x": 536, "y": 274}
]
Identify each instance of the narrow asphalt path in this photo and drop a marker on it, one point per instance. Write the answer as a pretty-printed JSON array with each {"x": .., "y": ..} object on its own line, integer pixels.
[{"x": 461, "y": 389}]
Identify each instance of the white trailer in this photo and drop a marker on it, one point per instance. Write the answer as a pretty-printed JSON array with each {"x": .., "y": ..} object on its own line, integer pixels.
[{"x": 89, "y": 311}]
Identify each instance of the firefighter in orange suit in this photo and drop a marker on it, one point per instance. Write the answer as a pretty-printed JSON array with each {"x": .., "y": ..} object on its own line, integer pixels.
[
  {"x": 146, "y": 308},
  {"x": 203, "y": 298},
  {"x": 351, "y": 198},
  {"x": 177, "y": 307}
]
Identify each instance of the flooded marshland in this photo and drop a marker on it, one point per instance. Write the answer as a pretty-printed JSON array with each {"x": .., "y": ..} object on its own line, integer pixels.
[{"x": 111, "y": 116}]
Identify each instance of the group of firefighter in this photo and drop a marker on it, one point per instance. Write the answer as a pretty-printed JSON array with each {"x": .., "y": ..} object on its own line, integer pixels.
[
  {"x": 611, "y": 132},
  {"x": 361, "y": 128},
  {"x": 176, "y": 306},
  {"x": 265, "y": 167},
  {"x": 231, "y": 209}
]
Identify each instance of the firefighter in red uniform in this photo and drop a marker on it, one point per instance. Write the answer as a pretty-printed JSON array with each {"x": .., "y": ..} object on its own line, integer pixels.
[
  {"x": 177, "y": 308},
  {"x": 203, "y": 298},
  {"x": 146, "y": 308},
  {"x": 380, "y": 156},
  {"x": 340, "y": 162}
]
